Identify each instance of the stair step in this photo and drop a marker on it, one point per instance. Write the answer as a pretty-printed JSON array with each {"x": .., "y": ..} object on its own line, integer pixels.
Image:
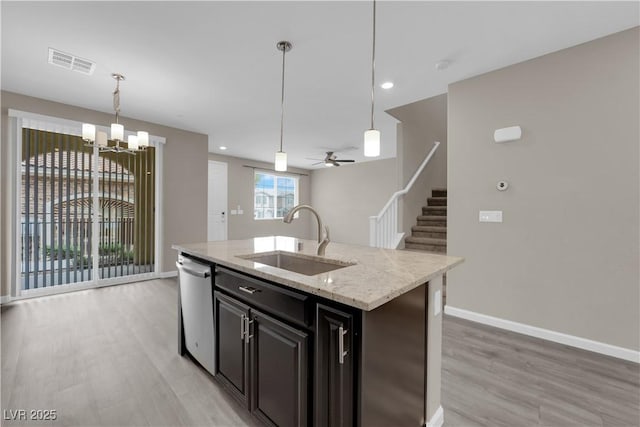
[
  {"x": 425, "y": 248},
  {"x": 437, "y": 201},
  {"x": 426, "y": 241},
  {"x": 429, "y": 231},
  {"x": 434, "y": 210},
  {"x": 432, "y": 220},
  {"x": 439, "y": 192},
  {"x": 426, "y": 244},
  {"x": 422, "y": 248}
]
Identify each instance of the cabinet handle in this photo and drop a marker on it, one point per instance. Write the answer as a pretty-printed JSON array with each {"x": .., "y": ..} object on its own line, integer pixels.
[
  {"x": 242, "y": 319},
  {"x": 248, "y": 289},
  {"x": 341, "y": 353},
  {"x": 247, "y": 329}
]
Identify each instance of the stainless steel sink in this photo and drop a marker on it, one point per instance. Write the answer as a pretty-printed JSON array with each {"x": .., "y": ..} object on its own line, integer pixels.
[{"x": 298, "y": 263}]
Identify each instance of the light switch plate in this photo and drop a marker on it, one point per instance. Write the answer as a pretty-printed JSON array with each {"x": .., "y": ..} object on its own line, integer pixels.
[
  {"x": 240, "y": 212},
  {"x": 437, "y": 302},
  {"x": 234, "y": 212},
  {"x": 490, "y": 216}
]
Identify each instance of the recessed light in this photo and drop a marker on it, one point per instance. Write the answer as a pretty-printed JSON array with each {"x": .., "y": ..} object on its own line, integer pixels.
[
  {"x": 222, "y": 147},
  {"x": 442, "y": 65},
  {"x": 386, "y": 85}
]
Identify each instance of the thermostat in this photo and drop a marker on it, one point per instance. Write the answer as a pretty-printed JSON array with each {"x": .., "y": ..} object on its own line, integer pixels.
[{"x": 502, "y": 185}]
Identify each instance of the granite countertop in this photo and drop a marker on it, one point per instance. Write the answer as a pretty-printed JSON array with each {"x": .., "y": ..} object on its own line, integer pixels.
[{"x": 379, "y": 275}]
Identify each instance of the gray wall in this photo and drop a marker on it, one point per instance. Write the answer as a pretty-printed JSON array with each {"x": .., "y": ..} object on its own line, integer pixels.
[
  {"x": 185, "y": 153},
  {"x": 422, "y": 123},
  {"x": 347, "y": 196},
  {"x": 566, "y": 256},
  {"x": 240, "y": 187}
]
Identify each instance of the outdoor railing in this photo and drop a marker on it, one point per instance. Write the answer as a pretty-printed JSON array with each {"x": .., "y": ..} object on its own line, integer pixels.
[{"x": 56, "y": 253}]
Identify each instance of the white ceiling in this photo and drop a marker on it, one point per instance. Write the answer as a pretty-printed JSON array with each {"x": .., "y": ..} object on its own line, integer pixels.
[{"x": 212, "y": 67}]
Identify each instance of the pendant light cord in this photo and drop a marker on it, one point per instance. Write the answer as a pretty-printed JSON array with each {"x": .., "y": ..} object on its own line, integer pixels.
[
  {"x": 116, "y": 98},
  {"x": 373, "y": 64},
  {"x": 284, "y": 51}
]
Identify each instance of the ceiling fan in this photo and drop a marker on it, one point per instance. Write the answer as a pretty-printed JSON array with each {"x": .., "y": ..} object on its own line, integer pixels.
[{"x": 332, "y": 160}]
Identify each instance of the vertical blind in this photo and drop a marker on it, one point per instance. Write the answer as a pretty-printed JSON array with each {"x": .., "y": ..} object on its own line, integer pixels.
[{"x": 58, "y": 172}]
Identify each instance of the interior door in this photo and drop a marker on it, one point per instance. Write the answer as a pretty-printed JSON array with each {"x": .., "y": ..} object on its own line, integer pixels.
[{"x": 217, "y": 201}]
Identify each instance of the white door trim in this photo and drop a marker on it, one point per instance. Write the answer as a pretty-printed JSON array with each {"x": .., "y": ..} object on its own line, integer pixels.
[{"x": 226, "y": 197}]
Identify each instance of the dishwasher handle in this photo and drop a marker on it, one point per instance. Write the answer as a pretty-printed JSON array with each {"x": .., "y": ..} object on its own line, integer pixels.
[{"x": 198, "y": 272}]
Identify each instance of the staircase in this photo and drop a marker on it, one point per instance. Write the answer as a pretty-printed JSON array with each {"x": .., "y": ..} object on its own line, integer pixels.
[{"x": 430, "y": 235}]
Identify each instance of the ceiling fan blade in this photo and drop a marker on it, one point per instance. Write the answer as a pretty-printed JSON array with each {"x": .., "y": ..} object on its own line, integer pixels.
[
  {"x": 345, "y": 161},
  {"x": 318, "y": 163},
  {"x": 339, "y": 149}
]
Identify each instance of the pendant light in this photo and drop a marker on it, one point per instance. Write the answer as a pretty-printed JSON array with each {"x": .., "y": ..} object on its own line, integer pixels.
[
  {"x": 372, "y": 136},
  {"x": 137, "y": 142},
  {"x": 281, "y": 156}
]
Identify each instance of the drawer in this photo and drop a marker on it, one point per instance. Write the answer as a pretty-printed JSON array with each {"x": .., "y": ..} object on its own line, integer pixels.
[{"x": 290, "y": 305}]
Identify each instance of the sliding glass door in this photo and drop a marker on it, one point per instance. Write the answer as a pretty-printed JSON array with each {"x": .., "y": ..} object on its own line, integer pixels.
[
  {"x": 84, "y": 216},
  {"x": 126, "y": 228}
]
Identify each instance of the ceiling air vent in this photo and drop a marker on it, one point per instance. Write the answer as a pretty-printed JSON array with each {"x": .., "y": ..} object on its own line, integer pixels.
[{"x": 71, "y": 62}]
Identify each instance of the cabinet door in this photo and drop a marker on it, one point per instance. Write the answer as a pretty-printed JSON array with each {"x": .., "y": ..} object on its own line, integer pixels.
[
  {"x": 333, "y": 374},
  {"x": 279, "y": 372},
  {"x": 231, "y": 350}
]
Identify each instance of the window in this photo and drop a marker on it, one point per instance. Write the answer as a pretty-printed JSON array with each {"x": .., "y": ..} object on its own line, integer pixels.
[{"x": 274, "y": 195}]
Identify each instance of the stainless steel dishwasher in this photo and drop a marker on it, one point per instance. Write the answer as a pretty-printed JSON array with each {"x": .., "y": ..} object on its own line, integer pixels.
[{"x": 196, "y": 294}]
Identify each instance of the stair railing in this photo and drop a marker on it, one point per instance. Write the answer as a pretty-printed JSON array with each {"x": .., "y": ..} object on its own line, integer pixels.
[{"x": 383, "y": 228}]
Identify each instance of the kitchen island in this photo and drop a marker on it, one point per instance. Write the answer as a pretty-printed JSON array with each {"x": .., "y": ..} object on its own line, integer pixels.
[{"x": 351, "y": 338}]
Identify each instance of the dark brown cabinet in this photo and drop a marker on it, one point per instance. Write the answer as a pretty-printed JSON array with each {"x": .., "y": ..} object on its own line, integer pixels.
[
  {"x": 232, "y": 360},
  {"x": 296, "y": 359},
  {"x": 279, "y": 371},
  {"x": 334, "y": 365},
  {"x": 263, "y": 362}
]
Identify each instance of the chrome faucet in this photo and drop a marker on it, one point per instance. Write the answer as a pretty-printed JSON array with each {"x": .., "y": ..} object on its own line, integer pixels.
[{"x": 323, "y": 240}]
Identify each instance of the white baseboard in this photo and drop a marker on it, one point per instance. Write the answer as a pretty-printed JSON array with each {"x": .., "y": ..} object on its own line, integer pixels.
[
  {"x": 438, "y": 418},
  {"x": 546, "y": 334},
  {"x": 5, "y": 299},
  {"x": 167, "y": 274}
]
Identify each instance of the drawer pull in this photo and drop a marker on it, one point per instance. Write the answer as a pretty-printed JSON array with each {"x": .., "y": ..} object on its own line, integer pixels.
[
  {"x": 248, "y": 289},
  {"x": 247, "y": 329},
  {"x": 242, "y": 324},
  {"x": 341, "y": 353}
]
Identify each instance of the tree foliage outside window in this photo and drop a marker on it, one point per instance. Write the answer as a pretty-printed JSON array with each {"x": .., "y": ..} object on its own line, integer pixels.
[{"x": 274, "y": 195}]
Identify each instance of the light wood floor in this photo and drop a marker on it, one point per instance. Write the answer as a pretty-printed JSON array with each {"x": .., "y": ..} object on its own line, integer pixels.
[
  {"x": 492, "y": 377},
  {"x": 107, "y": 357}
]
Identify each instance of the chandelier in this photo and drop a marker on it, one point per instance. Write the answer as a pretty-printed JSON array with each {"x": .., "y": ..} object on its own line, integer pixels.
[{"x": 137, "y": 142}]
